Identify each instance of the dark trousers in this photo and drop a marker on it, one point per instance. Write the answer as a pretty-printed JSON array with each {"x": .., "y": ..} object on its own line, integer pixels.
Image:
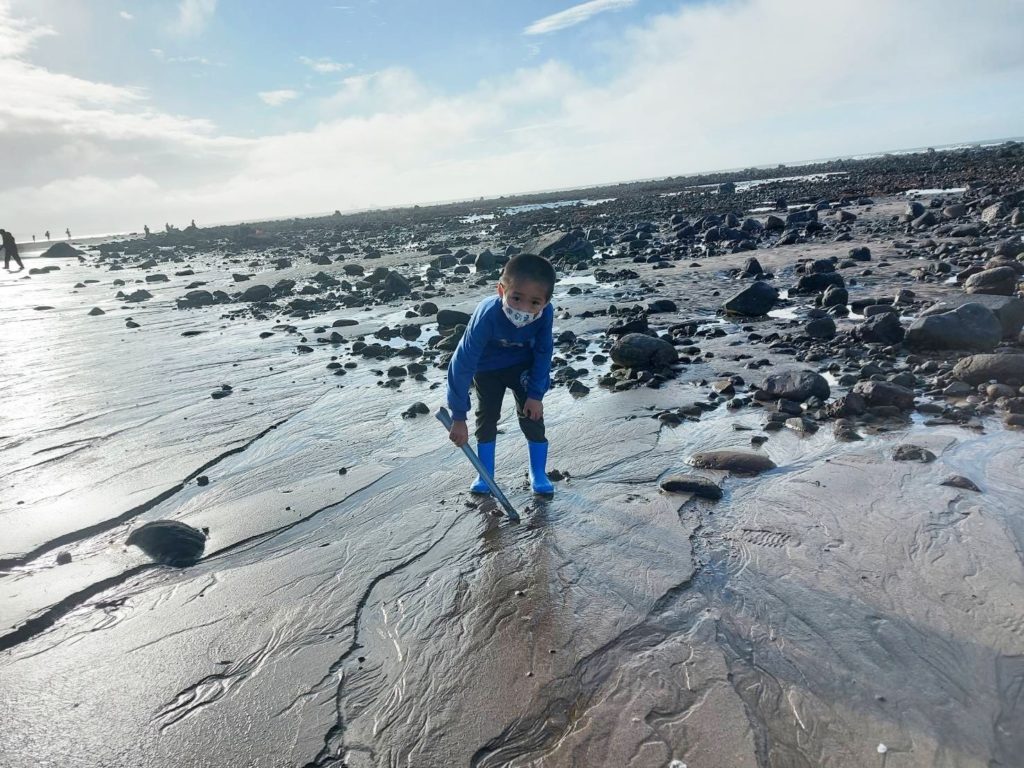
[
  {"x": 12, "y": 254},
  {"x": 490, "y": 389}
]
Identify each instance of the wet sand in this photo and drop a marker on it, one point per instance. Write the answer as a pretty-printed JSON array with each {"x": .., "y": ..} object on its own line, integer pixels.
[{"x": 384, "y": 616}]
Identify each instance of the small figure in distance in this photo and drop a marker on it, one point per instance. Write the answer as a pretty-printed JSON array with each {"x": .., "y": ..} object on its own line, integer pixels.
[
  {"x": 145, "y": 228},
  {"x": 47, "y": 233},
  {"x": 507, "y": 345},
  {"x": 68, "y": 232},
  {"x": 10, "y": 250},
  {"x": 33, "y": 238}
]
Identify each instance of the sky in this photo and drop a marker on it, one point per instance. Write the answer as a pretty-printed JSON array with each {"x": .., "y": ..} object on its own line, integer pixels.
[{"x": 120, "y": 113}]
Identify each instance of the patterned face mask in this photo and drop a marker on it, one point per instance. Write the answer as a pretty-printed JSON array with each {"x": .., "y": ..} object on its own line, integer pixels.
[{"x": 517, "y": 317}]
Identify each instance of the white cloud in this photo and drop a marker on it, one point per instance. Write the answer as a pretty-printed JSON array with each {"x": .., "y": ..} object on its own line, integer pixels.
[
  {"x": 791, "y": 83},
  {"x": 126, "y": 16},
  {"x": 395, "y": 89},
  {"x": 578, "y": 14},
  {"x": 324, "y": 65},
  {"x": 193, "y": 16},
  {"x": 277, "y": 98}
]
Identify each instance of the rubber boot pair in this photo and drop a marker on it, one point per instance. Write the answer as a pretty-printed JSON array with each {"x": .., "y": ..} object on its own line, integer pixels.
[{"x": 538, "y": 463}]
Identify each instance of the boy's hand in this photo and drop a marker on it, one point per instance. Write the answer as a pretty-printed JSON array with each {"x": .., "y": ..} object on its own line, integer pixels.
[
  {"x": 534, "y": 409},
  {"x": 459, "y": 433}
]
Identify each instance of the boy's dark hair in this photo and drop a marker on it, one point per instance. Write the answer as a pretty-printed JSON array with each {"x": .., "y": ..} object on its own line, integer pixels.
[{"x": 526, "y": 266}]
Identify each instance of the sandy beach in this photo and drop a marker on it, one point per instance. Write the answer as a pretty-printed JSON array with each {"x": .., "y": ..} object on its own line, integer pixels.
[{"x": 848, "y": 603}]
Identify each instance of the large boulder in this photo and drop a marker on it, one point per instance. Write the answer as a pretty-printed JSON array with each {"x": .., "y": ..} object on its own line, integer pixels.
[
  {"x": 1001, "y": 281},
  {"x": 885, "y": 393},
  {"x": 969, "y": 326},
  {"x": 638, "y": 350},
  {"x": 795, "y": 385},
  {"x": 752, "y": 301},
  {"x": 977, "y": 369},
  {"x": 1009, "y": 310}
]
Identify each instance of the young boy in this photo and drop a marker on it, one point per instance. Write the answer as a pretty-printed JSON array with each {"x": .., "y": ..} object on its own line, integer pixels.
[{"x": 507, "y": 345}]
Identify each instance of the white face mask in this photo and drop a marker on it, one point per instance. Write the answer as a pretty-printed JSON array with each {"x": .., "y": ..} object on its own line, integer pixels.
[{"x": 517, "y": 317}]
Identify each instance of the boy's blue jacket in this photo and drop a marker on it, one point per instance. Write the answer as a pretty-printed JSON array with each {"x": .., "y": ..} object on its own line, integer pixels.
[{"x": 491, "y": 342}]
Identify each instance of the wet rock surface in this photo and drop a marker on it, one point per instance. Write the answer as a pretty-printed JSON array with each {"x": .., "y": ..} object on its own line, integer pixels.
[{"x": 796, "y": 596}]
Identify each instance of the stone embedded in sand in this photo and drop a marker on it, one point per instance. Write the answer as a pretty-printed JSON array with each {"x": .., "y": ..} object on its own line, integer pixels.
[
  {"x": 63, "y": 558},
  {"x": 698, "y": 486},
  {"x": 752, "y": 301},
  {"x": 733, "y": 461},
  {"x": 795, "y": 385},
  {"x": 970, "y": 326},
  {"x": 910, "y": 452},
  {"x": 95, "y": 311},
  {"x": 885, "y": 394},
  {"x": 169, "y": 542},
  {"x": 978, "y": 369},
  {"x": 638, "y": 350},
  {"x": 959, "y": 481}
]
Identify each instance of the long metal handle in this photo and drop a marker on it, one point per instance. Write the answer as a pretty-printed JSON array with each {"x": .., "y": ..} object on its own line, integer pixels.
[{"x": 445, "y": 418}]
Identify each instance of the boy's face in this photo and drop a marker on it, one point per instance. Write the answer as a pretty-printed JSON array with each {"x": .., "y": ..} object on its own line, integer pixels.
[{"x": 525, "y": 295}]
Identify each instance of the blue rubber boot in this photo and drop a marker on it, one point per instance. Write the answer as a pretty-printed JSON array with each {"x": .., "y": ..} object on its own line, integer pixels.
[
  {"x": 538, "y": 469},
  {"x": 486, "y": 453}
]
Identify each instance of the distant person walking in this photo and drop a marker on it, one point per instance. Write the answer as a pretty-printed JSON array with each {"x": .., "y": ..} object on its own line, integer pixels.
[
  {"x": 47, "y": 233},
  {"x": 68, "y": 232},
  {"x": 10, "y": 250}
]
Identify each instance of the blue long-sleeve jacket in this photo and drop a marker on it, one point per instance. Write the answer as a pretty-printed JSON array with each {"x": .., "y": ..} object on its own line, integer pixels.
[{"x": 492, "y": 342}]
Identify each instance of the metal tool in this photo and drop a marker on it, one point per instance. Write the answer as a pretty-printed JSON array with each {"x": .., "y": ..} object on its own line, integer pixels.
[{"x": 445, "y": 418}]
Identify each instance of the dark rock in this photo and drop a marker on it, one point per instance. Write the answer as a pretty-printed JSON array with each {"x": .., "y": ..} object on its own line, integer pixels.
[
  {"x": 698, "y": 486},
  {"x": 959, "y": 481},
  {"x": 913, "y": 453},
  {"x": 1001, "y": 281},
  {"x": 794, "y": 385},
  {"x": 969, "y": 326},
  {"x": 979, "y": 369},
  {"x": 821, "y": 328},
  {"x": 863, "y": 253},
  {"x": 661, "y": 305},
  {"x": 752, "y": 301},
  {"x": 170, "y": 542},
  {"x": 885, "y": 394},
  {"x": 256, "y": 293},
  {"x": 447, "y": 318},
  {"x": 850, "y": 404},
  {"x": 818, "y": 282},
  {"x": 881, "y": 329},
  {"x": 638, "y": 350},
  {"x": 733, "y": 461},
  {"x": 61, "y": 251},
  {"x": 63, "y": 558}
]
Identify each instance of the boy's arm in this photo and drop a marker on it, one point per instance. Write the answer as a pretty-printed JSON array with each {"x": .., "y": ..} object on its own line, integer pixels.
[
  {"x": 464, "y": 363},
  {"x": 540, "y": 372}
]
